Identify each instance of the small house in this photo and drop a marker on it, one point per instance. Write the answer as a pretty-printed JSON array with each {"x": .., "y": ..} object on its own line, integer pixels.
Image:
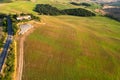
[{"x": 28, "y": 17}]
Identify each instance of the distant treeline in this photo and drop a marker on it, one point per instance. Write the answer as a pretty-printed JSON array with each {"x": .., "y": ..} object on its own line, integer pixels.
[
  {"x": 47, "y": 9},
  {"x": 2, "y": 15},
  {"x": 80, "y": 4},
  {"x": 112, "y": 17},
  {"x": 6, "y": 1}
]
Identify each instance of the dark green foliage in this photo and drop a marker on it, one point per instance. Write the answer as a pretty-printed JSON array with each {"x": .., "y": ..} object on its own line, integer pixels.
[
  {"x": 1, "y": 41},
  {"x": 14, "y": 23},
  {"x": 4, "y": 22},
  {"x": 15, "y": 28},
  {"x": 47, "y": 9},
  {"x": 2, "y": 15},
  {"x": 9, "y": 69},
  {"x": 78, "y": 12}
]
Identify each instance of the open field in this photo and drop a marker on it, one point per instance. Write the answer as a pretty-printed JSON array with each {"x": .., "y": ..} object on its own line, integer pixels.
[
  {"x": 28, "y": 6},
  {"x": 68, "y": 47},
  {"x": 73, "y": 48}
]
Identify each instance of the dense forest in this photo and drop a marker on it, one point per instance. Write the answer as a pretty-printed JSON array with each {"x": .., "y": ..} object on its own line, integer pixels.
[
  {"x": 47, "y": 9},
  {"x": 78, "y": 12}
]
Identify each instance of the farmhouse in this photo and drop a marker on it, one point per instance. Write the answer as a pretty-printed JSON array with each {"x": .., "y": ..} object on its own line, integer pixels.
[
  {"x": 28, "y": 17},
  {"x": 24, "y": 28}
]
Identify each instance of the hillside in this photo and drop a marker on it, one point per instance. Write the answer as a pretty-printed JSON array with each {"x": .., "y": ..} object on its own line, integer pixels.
[{"x": 67, "y": 47}]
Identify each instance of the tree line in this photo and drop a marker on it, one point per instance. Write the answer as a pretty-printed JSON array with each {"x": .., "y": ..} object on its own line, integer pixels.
[
  {"x": 80, "y": 4},
  {"x": 47, "y": 9}
]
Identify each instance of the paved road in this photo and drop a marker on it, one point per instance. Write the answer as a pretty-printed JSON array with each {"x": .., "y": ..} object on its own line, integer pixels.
[{"x": 7, "y": 44}]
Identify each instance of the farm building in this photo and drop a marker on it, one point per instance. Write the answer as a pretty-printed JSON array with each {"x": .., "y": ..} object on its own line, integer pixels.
[
  {"x": 24, "y": 28},
  {"x": 28, "y": 17}
]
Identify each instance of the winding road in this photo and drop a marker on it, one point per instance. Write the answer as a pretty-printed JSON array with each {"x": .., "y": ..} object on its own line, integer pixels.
[{"x": 8, "y": 42}]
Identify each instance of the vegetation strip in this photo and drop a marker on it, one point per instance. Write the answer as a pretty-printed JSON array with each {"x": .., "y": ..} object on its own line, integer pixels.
[{"x": 49, "y": 10}]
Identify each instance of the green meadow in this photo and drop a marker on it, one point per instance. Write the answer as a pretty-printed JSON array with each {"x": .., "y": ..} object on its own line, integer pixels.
[
  {"x": 73, "y": 48},
  {"x": 28, "y": 6}
]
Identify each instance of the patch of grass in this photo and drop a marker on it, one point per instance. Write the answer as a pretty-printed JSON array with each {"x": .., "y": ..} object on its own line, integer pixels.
[
  {"x": 28, "y": 6},
  {"x": 73, "y": 48},
  {"x": 18, "y": 7}
]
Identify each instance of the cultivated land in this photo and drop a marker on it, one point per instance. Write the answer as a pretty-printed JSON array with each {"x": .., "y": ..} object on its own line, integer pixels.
[
  {"x": 68, "y": 47},
  {"x": 73, "y": 48}
]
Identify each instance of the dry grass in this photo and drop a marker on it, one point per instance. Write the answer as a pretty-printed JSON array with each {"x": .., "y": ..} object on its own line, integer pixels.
[{"x": 73, "y": 48}]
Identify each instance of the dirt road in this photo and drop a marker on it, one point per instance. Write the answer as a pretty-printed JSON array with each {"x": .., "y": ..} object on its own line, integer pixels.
[
  {"x": 21, "y": 55},
  {"x": 21, "y": 51}
]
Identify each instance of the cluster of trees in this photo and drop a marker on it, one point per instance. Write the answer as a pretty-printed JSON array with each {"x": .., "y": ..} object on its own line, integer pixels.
[
  {"x": 4, "y": 29},
  {"x": 78, "y": 12},
  {"x": 80, "y": 4},
  {"x": 2, "y": 15},
  {"x": 47, "y": 9},
  {"x": 4, "y": 24},
  {"x": 9, "y": 68},
  {"x": 9, "y": 63},
  {"x": 15, "y": 21}
]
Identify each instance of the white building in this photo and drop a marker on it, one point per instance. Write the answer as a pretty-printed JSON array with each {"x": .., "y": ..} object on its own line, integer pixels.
[{"x": 28, "y": 17}]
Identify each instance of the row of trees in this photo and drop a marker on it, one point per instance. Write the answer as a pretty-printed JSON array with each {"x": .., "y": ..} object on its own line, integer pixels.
[
  {"x": 9, "y": 64},
  {"x": 47, "y": 9},
  {"x": 80, "y": 4},
  {"x": 78, "y": 12},
  {"x": 4, "y": 29}
]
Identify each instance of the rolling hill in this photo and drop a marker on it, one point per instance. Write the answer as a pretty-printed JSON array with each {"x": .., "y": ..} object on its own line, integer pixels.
[{"x": 69, "y": 47}]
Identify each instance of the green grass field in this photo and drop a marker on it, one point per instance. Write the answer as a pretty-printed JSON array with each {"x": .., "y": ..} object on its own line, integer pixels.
[
  {"x": 73, "y": 48},
  {"x": 28, "y": 6}
]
